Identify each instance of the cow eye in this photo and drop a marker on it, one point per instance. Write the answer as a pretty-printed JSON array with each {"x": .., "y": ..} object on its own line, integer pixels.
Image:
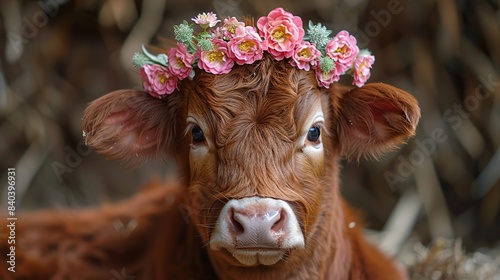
[
  {"x": 313, "y": 134},
  {"x": 197, "y": 134}
]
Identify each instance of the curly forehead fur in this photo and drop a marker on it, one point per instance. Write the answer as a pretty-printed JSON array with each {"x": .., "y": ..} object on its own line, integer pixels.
[{"x": 255, "y": 95}]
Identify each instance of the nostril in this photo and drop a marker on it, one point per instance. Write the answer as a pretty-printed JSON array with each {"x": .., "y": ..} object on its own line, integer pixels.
[
  {"x": 279, "y": 225},
  {"x": 235, "y": 222}
]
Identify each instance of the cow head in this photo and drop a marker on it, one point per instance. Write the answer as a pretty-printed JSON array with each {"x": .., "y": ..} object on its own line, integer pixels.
[{"x": 257, "y": 149}]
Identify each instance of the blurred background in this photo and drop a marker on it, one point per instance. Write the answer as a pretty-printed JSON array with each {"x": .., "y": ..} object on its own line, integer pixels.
[{"x": 434, "y": 204}]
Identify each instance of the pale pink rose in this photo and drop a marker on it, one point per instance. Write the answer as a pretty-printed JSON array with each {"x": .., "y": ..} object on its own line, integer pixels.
[
  {"x": 305, "y": 55},
  {"x": 341, "y": 68},
  {"x": 206, "y": 20},
  {"x": 230, "y": 26},
  {"x": 217, "y": 60},
  {"x": 157, "y": 80},
  {"x": 218, "y": 33},
  {"x": 282, "y": 30},
  {"x": 362, "y": 65},
  {"x": 342, "y": 49},
  {"x": 246, "y": 46},
  {"x": 180, "y": 61},
  {"x": 326, "y": 79}
]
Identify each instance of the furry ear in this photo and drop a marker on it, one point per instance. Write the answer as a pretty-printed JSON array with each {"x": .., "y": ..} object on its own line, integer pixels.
[
  {"x": 373, "y": 119},
  {"x": 132, "y": 126}
]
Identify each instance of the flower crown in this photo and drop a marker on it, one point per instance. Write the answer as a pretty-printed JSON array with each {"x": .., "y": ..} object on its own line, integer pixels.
[{"x": 217, "y": 49}]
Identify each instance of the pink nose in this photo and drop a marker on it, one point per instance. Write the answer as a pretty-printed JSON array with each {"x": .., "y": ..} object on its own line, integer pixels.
[
  {"x": 257, "y": 230},
  {"x": 257, "y": 227}
]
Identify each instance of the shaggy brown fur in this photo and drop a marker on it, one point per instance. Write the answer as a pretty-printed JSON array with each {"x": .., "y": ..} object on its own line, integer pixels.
[{"x": 252, "y": 119}]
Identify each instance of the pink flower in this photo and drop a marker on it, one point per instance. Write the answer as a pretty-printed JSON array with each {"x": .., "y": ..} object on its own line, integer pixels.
[
  {"x": 218, "y": 33},
  {"x": 362, "y": 65},
  {"x": 157, "y": 80},
  {"x": 246, "y": 46},
  {"x": 206, "y": 20},
  {"x": 230, "y": 26},
  {"x": 325, "y": 79},
  {"x": 215, "y": 61},
  {"x": 341, "y": 68},
  {"x": 342, "y": 49},
  {"x": 180, "y": 61},
  {"x": 305, "y": 55},
  {"x": 282, "y": 30}
]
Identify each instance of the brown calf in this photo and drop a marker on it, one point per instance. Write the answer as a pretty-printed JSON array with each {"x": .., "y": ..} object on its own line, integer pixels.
[{"x": 258, "y": 153}]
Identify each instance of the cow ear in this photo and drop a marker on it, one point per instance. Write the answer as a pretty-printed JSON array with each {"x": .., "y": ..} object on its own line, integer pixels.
[
  {"x": 133, "y": 126},
  {"x": 373, "y": 119}
]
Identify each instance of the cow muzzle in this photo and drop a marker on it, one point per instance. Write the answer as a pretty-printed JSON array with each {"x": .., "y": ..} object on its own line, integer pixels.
[{"x": 257, "y": 230}]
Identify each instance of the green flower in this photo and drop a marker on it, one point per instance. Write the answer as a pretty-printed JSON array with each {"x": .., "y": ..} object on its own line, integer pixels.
[
  {"x": 205, "y": 44},
  {"x": 319, "y": 35},
  {"x": 184, "y": 33},
  {"x": 139, "y": 59},
  {"x": 326, "y": 64}
]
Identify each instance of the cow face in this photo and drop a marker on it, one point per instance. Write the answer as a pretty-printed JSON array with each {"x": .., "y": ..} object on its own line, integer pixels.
[
  {"x": 257, "y": 148},
  {"x": 256, "y": 160}
]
